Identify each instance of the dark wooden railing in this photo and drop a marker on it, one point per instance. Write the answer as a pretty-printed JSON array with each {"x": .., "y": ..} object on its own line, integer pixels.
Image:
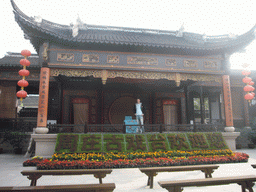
[
  {"x": 121, "y": 128},
  {"x": 27, "y": 125}
]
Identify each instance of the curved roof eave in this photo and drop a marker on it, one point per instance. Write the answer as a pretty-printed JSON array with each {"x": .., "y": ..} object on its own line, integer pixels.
[{"x": 118, "y": 35}]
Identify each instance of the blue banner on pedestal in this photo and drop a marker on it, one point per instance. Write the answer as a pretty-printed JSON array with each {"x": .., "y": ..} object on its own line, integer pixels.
[{"x": 129, "y": 122}]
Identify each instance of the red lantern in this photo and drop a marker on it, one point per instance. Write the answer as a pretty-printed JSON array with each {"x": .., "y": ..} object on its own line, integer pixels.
[
  {"x": 251, "y": 83},
  {"x": 24, "y": 72},
  {"x": 25, "y": 53},
  {"x": 22, "y": 83},
  {"x": 21, "y": 94},
  {"x": 246, "y": 73},
  {"x": 248, "y": 88},
  {"x": 247, "y": 80},
  {"x": 249, "y": 96},
  {"x": 24, "y": 62},
  {"x": 253, "y": 94}
]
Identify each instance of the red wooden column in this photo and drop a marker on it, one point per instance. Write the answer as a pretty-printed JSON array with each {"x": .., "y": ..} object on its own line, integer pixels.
[
  {"x": 228, "y": 104},
  {"x": 43, "y": 101}
]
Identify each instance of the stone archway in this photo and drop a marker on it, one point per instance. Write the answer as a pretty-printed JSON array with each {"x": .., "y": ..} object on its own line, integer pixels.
[{"x": 120, "y": 108}]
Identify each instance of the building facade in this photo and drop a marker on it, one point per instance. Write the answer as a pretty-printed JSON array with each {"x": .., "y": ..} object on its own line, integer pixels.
[{"x": 94, "y": 74}]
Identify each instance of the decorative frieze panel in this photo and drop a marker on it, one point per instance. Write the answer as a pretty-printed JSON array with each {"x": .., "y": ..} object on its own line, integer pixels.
[
  {"x": 201, "y": 77},
  {"x": 210, "y": 64},
  {"x": 90, "y": 58},
  {"x": 65, "y": 57},
  {"x": 190, "y": 63},
  {"x": 170, "y": 62},
  {"x": 76, "y": 73},
  {"x": 136, "y": 75},
  {"x": 142, "y": 60},
  {"x": 113, "y": 59},
  {"x": 141, "y": 75},
  {"x": 85, "y": 59}
]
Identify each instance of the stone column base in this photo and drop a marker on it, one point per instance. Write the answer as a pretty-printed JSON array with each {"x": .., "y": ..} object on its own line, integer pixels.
[
  {"x": 229, "y": 129},
  {"x": 230, "y": 138},
  {"x": 41, "y": 130},
  {"x": 45, "y": 144}
]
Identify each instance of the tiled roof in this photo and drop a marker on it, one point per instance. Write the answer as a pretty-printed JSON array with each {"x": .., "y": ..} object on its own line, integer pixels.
[
  {"x": 48, "y": 31},
  {"x": 13, "y": 60}
]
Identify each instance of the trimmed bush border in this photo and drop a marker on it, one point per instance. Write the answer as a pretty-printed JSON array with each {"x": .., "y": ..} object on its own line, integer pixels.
[{"x": 97, "y": 143}]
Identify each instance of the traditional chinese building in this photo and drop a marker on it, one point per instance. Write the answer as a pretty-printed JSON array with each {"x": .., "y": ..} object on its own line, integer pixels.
[{"x": 93, "y": 74}]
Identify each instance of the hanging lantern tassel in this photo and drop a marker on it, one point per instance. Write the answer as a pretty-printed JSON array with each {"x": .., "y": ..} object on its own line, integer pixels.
[{"x": 24, "y": 73}]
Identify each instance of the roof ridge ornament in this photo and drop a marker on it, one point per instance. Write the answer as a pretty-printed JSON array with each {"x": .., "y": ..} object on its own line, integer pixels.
[
  {"x": 232, "y": 35},
  {"x": 78, "y": 24},
  {"x": 180, "y": 31},
  {"x": 75, "y": 30},
  {"x": 79, "y": 21},
  {"x": 38, "y": 19}
]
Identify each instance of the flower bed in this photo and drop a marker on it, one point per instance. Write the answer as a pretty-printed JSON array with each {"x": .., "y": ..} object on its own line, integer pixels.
[
  {"x": 91, "y": 151},
  {"x": 134, "y": 155},
  {"x": 133, "y": 160},
  {"x": 139, "y": 162}
]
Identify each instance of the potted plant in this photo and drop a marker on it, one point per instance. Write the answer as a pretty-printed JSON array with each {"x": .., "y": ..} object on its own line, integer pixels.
[{"x": 16, "y": 139}]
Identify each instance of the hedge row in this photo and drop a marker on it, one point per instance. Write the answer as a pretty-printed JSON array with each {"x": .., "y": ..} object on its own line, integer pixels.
[{"x": 97, "y": 143}]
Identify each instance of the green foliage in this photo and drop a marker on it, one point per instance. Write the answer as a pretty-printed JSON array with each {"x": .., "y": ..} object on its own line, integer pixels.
[
  {"x": 135, "y": 143},
  {"x": 197, "y": 141},
  {"x": 216, "y": 141},
  {"x": 113, "y": 143},
  {"x": 178, "y": 141},
  {"x": 157, "y": 142},
  {"x": 16, "y": 139},
  {"x": 67, "y": 143},
  {"x": 90, "y": 143},
  {"x": 252, "y": 136}
]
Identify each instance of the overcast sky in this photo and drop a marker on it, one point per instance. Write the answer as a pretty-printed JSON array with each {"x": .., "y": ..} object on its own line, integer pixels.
[{"x": 210, "y": 17}]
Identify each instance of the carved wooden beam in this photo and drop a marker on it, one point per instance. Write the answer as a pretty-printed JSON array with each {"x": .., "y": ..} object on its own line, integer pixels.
[{"x": 104, "y": 74}]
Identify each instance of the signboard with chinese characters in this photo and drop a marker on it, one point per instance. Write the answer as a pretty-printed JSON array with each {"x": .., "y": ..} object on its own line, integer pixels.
[
  {"x": 227, "y": 101},
  {"x": 43, "y": 97},
  {"x": 88, "y": 59},
  {"x": 65, "y": 57},
  {"x": 142, "y": 60}
]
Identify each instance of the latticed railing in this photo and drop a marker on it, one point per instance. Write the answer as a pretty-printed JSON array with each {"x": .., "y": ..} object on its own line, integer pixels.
[
  {"x": 121, "y": 128},
  {"x": 27, "y": 125}
]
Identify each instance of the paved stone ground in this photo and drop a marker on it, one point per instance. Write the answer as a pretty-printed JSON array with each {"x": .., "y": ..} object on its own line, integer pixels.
[{"x": 126, "y": 180}]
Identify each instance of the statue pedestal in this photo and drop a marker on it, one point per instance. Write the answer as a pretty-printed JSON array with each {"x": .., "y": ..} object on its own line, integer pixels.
[{"x": 45, "y": 144}]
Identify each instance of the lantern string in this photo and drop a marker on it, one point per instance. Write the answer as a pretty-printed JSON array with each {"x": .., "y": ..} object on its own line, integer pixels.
[
  {"x": 247, "y": 81},
  {"x": 26, "y": 54}
]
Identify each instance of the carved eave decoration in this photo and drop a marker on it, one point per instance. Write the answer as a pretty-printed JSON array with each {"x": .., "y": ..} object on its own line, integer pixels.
[{"x": 106, "y": 74}]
